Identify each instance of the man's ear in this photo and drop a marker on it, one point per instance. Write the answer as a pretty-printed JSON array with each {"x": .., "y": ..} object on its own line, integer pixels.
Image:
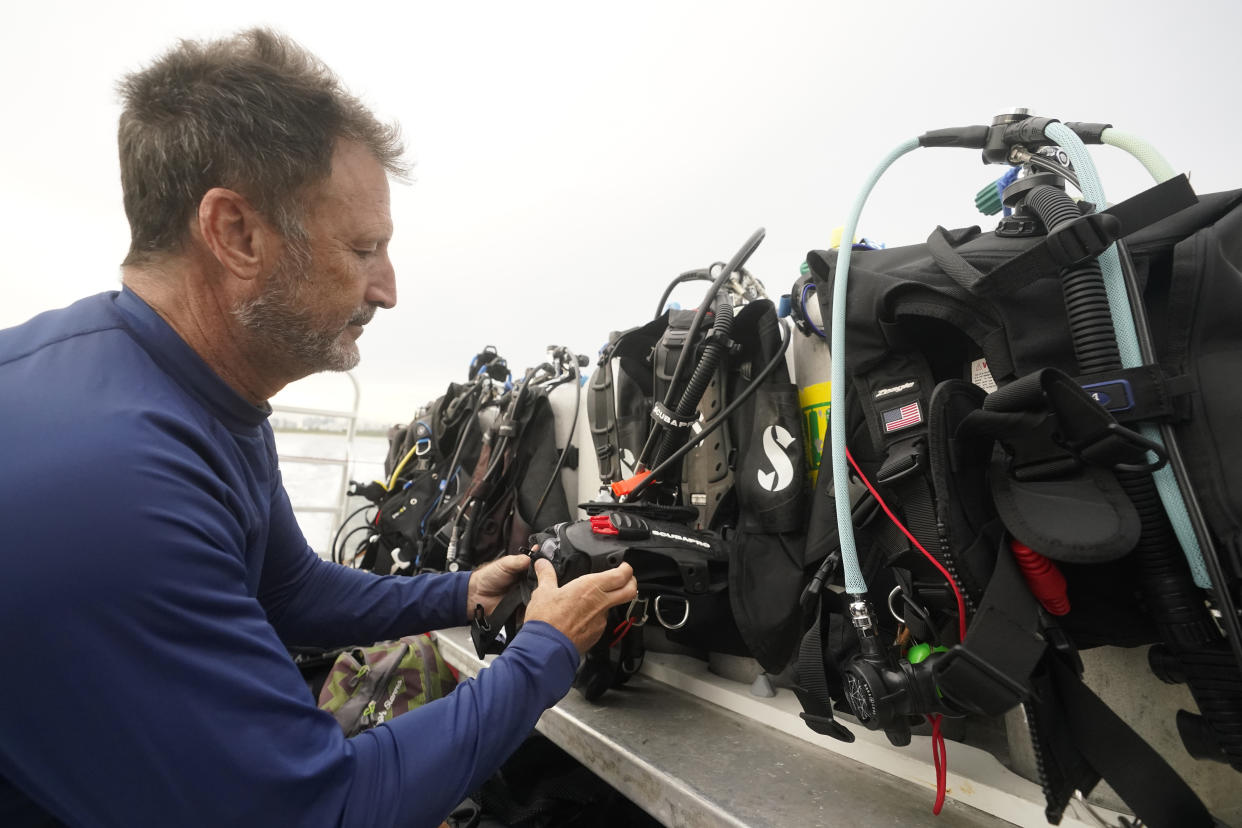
[{"x": 240, "y": 239}]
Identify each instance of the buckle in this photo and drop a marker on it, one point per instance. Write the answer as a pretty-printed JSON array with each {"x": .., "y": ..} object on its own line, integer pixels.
[
  {"x": 898, "y": 466},
  {"x": 1084, "y": 238}
]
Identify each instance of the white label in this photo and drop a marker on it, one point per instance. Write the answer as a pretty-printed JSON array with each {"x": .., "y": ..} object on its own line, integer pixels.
[{"x": 981, "y": 376}]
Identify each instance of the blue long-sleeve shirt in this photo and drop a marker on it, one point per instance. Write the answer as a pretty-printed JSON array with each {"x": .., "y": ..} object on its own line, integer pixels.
[{"x": 151, "y": 576}]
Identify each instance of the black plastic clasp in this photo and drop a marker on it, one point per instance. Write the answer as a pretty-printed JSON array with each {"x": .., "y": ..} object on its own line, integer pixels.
[
  {"x": 827, "y": 726},
  {"x": 1121, "y": 449},
  {"x": 1084, "y": 238},
  {"x": 900, "y": 464}
]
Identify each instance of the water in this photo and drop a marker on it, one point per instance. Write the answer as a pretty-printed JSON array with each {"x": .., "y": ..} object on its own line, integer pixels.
[{"x": 320, "y": 485}]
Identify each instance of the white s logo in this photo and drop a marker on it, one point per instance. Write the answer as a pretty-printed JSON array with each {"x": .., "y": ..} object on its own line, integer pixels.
[{"x": 775, "y": 440}]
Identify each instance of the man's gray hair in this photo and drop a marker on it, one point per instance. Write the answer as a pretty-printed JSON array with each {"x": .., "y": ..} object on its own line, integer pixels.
[{"x": 255, "y": 113}]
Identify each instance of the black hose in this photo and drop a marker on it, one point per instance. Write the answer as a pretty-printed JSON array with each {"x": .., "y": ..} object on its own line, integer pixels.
[
  {"x": 1053, "y": 167},
  {"x": 336, "y": 539},
  {"x": 1175, "y": 603},
  {"x": 341, "y": 547},
  {"x": 1086, "y": 300},
  {"x": 713, "y": 352},
  {"x": 688, "y": 276}
]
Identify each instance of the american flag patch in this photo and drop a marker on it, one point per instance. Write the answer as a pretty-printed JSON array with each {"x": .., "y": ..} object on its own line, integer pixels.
[{"x": 904, "y": 417}]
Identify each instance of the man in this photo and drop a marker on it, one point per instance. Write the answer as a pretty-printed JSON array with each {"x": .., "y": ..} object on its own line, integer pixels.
[{"x": 151, "y": 572}]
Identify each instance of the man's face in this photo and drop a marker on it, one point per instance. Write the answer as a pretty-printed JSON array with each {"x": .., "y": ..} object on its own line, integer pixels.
[{"x": 313, "y": 306}]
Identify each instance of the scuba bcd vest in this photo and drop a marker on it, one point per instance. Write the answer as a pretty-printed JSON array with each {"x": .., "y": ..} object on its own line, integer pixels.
[{"x": 989, "y": 412}]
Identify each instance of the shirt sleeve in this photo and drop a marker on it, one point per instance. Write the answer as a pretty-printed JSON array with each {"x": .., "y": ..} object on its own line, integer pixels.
[
  {"x": 149, "y": 687},
  {"x": 313, "y": 602}
]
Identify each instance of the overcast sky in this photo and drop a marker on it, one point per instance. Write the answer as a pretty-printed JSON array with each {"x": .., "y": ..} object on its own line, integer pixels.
[{"x": 572, "y": 158}]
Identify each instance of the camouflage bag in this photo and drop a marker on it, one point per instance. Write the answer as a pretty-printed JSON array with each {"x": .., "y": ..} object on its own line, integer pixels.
[{"x": 367, "y": 686}]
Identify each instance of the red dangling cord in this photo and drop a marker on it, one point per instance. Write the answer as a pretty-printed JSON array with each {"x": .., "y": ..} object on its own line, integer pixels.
[
  {"x": 941, "y": 758},
  {"x": 622, "y": 628}
]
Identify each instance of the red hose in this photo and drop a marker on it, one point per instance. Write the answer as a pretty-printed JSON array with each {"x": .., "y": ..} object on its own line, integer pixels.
[{"x": 1042, "y": 576}]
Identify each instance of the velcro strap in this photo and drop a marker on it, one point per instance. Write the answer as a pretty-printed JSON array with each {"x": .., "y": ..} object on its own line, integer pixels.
[{"x": 1136, "y": 394}]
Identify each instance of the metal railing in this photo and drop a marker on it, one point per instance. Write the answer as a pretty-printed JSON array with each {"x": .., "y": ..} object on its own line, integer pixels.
[{"x": 351, "y": 419}]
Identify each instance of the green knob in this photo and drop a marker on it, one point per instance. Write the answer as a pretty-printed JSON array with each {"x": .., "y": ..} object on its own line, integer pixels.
[
  {"x": 988, "y": 200},
  {"x": 920, "y": 652}
]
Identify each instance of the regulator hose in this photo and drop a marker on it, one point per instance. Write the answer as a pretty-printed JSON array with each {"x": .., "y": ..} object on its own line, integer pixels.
[
  {"x": 1145, "y": 153},
  {"x": 713, "y": 352},
  {"x": 855, "y": 584}
]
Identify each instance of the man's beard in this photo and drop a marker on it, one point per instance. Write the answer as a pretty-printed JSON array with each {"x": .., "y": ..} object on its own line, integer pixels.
[{"x": 282, "y": 330}]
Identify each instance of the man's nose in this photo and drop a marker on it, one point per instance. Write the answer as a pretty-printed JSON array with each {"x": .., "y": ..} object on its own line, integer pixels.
[{"x": 382, "y": 286}]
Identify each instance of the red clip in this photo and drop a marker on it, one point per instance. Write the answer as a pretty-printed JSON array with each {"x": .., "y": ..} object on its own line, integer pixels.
[
  {"x": 602, "y": 525},
  {"x": 624, "y": 487}
]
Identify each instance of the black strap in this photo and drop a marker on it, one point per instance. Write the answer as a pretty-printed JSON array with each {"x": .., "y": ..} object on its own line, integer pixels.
[
  {"x": 1049, "y": 423},
  {"x": 485, "y": 630},
  {"x": 1139, "y": 775},
  {"x": 990, "y": 671},
  {"x": 943, "y": 249},
  {"x": 811, "y": 683},
  {"x": 1143, "y": 393}
]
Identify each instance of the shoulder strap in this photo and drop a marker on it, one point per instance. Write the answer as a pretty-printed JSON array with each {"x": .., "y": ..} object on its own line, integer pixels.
[{"x": 1139, "y": 775}]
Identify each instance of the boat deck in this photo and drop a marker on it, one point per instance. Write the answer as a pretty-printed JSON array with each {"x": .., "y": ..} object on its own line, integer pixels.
[{"x": 694, "y": 749}]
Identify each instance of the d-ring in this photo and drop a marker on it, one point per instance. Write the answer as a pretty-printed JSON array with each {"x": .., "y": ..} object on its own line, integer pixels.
[
  {"x": 660, "y": 615},
  {"x": 891, "y": 609}
]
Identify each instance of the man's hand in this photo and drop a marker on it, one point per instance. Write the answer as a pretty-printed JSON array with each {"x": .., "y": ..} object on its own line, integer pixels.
[
  {"x": 491, "y": 582},
  {"x": 579, "y": 609}
]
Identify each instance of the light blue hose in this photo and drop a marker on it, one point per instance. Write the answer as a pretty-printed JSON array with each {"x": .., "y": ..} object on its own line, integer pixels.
[
  {"x": 854, "y": 582},
  {"x": 1146, "y": 154},
  {"x": 1128, "y": 347}
]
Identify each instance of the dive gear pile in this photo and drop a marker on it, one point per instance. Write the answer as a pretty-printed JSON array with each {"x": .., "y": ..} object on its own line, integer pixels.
[{"x": 1032, "y": 456}]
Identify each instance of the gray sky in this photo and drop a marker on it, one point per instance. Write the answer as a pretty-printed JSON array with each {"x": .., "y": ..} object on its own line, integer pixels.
[{"x": 572, "y": 158}]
